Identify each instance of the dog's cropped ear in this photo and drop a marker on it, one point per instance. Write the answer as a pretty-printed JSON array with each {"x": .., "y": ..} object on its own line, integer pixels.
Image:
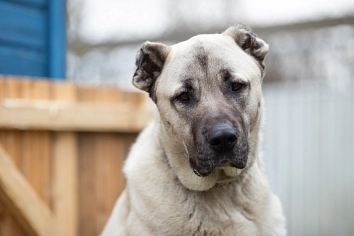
[
  {"x": 249, "y": 41},
  {"x": 149, "y": 63}
]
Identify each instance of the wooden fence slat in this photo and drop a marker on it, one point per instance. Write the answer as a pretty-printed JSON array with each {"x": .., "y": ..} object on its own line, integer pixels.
[
  {"x": 65, "y": 181},
  {"x": 88, "y": 169},
  {"x": 23, "y": 201},
  {"x": 87, "y": 191},
  {"x": 36, "y": 158},
  {"x": 65, "y": 167},
  {"x": 13, "y": 88},
  {"x": 2, "y": 88},
  {"x": 11, "y": 141}
]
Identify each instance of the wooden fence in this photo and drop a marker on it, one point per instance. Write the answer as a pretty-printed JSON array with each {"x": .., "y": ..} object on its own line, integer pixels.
[{"x": 63, "y": 146}]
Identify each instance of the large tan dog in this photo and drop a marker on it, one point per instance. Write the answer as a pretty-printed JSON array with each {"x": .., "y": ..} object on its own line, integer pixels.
[{"x": 196, "y": 169}]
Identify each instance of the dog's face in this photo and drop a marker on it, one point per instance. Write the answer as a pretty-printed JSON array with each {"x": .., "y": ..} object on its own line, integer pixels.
[{"x": 208, "y": 93}]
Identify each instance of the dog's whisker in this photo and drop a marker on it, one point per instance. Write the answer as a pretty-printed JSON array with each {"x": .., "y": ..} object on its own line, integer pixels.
[{"x": 185, "y": 147}]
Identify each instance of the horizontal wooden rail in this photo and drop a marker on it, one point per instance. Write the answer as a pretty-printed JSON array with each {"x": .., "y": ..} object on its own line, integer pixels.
[
  {"x": 23, "y": 202},
  {"x": 64, "y": 116}
]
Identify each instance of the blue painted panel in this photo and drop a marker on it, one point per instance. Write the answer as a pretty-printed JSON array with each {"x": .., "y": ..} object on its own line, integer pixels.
[
  {"x": 34, "y": 3},
  {"x": 25, "y": 26},
  {"x": 57, "y": 39},
  {"x": 22, "y": 61},
  {"x": 32, "y": 38}
]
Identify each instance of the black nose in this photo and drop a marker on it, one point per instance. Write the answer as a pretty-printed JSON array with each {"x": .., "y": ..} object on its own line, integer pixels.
[{"x": 222, "y": 137}]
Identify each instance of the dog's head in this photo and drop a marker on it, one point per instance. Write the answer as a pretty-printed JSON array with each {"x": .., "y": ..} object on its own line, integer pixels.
[{"x": 208, "y": 94}]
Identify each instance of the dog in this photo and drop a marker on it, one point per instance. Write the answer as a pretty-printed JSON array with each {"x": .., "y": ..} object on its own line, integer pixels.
[{"x": 196, "y": 169}]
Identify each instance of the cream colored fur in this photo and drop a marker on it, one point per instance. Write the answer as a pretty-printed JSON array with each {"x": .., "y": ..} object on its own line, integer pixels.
[{"x": 163, "y": 196}]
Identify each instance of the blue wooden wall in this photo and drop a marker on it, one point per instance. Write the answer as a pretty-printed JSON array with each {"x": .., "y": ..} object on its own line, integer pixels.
[{"x": 32, "y": 38}]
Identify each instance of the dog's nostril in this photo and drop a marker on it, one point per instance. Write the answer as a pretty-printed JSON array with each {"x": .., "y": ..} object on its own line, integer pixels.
[
  {"x": 222, "y": 137},
  {"x": 215, "y": 142},
  {"x": 232, "y": 139}
]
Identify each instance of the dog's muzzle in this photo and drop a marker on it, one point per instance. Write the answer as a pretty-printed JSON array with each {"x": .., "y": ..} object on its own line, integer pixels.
[{"x": 226, "y": 148}]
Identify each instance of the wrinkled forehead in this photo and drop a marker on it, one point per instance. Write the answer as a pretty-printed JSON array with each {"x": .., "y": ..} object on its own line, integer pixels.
[{"x": 206, "y": 56}]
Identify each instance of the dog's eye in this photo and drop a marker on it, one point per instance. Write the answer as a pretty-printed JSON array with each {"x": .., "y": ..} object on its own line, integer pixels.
[
  {"x": 237, "y": 86},
  {"x": 184, "y": 97}
]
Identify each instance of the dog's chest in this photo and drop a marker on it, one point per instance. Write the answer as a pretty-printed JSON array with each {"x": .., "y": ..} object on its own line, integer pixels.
[
  {"x": 210, "y": 214},
  {"x": 220, "y": 218}
]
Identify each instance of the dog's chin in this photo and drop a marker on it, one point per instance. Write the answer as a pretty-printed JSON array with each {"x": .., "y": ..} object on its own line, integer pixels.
[{"x": 238, "y": 163}]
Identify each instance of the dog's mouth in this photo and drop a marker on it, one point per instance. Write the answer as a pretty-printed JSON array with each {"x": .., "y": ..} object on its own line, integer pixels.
[
  {"x": 204, "y": 168},
  {"x": 225, "y": 164}
]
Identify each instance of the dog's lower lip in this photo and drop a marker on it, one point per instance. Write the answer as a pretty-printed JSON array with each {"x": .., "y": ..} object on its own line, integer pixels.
[
  {"x": 201, "y": 174},
  {"x": 239, "y": 165}
]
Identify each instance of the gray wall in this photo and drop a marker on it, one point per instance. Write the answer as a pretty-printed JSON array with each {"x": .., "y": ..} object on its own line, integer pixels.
[{"x": 309, "y": 155}]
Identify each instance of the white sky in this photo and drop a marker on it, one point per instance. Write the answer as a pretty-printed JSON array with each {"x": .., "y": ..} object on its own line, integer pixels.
[
  {"x": 284, "y": 11},
  {"x": 105, "y": 19},
  {"x": 122, "y": 19}
]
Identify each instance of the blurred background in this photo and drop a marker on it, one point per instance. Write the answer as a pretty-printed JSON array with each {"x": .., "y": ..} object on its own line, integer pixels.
[{"x": 308, "y": 88}]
